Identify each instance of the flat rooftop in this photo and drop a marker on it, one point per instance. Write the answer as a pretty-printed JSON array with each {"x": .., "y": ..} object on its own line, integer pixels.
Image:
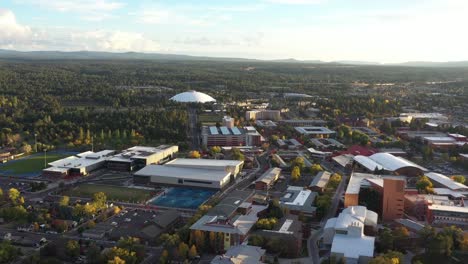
[
  {"x": 449, "y": 208},
  {"x": 298, "y": 198},
  {"x": 353, "y": 247},
  {"x": 142, "y": 152},
  {"x": 182, "y": 173},
  {"x": 314, "y": 130},
  {"x": 84, "y": 160},
  {"x": 203, "y": 162},
  {"x": 225, "y": 131}
]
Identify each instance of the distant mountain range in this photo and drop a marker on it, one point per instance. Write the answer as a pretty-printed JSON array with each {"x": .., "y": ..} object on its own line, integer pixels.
[{"x": 98, "y": 55}]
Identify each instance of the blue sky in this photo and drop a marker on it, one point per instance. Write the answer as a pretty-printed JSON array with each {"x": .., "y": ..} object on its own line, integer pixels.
[{"x": 383, "y": 31}]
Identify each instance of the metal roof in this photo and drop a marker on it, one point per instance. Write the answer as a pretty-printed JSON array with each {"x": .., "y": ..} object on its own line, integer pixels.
[
  {"x": 446, "y": 181},
  {"x": 393, "y": 163},
  {"x": 192, "y": 97}
]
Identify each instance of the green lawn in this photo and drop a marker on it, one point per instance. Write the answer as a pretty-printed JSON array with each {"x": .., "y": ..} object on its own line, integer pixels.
[
  {"x": 30, "y": 164},
  {"x": 114, "y": 193}
]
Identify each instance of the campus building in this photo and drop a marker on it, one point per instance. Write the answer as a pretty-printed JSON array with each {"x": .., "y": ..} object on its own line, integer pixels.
[
  {"x": 442, "y": 181},
  {"x": 314, "y": 131},
  {"x": 388, "y": 163},
  {"x": 303, "y": 122},
  {"x": 320, "y": 181},
  {"x": 263, "y": 114},
  {"x": 230, "y": 136},
  {"x": 79, "y": 165},
  {"x": 138, "y": 157},
  {"x": 232, "y": 219},
  {"x": 268, "y": 179},
  {"x": 347, "y": 234},
  {"x": 241, "y": 254},
  {"x": 215, "y": 174},
  {"x": 448, "y": 215},
  {"x": 299, "y": 200},
  {"x": 393, "y": 199}
]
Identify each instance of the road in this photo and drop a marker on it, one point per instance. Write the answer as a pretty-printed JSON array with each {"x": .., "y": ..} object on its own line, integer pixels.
[{"x": 313, "y": 239}]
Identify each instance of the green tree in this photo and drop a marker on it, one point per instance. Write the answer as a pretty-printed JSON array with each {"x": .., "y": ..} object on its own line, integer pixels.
[
  {"x": 183, "y": 250},
  {"x": 14, "y": 195},
  {"x": 386, "y": 239},
  {"x": 295, "y": 173},
  {"x": 194, "y": 154},
  {"x": 193, "y": 252},
  {"x": 164, "y": 257},
  {"x": 64, "y": 201},
  {"x": 459, "y": 178},
  {"x": 99, "y": 200},
  {"x": 73, "y": 248},
  {"x": 424, "y": 184},
  {"x": 8, "y": 253},
  {"x": 335, "y": 180},
  {"x": 315, "y": 168},
  {"x": 298, "y": 162},
  {"x": 237, "y": 155}
]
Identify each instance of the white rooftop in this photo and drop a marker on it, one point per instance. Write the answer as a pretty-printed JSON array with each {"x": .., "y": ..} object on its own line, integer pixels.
[
  {"x": 446, "y": 181},
  {"x": 440, "y": 139},
  {"x": 192, "y": 97},
  {"x": 85, "y": 159},
  {"x": 314, "y": 130},
  {"x": 355, "y": 181},
  {"x": 301, "y": 197},
  {"x": 203, "y": 162},
  {"x": 393, "y": 163},
  {"x": 353, "y": 247},
  {"x": 143, "y": 152},
  {"x": 355, "y": 214},
  {"x": 449, "y": 208},
  {"x": 447, "y": 191},
  {"x": 183, "y": 173},
  {"x": 368, "y": 163}
]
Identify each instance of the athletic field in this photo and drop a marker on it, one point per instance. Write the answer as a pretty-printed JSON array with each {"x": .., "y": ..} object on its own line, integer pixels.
[
  {"x": 114, "y": 193},
  {"x": 30, "y": 165}
]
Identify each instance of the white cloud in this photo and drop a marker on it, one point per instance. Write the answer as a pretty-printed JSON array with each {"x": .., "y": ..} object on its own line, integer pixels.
[
  {"x": 11, "y": 32},
  {"x": 20, "y": 37},
  {"x": 113, "y": 41},
  {"x": 90, "y": 10}
]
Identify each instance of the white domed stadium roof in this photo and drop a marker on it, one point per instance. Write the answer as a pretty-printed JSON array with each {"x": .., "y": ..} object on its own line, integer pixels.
[{"x": 192, "y": 97}]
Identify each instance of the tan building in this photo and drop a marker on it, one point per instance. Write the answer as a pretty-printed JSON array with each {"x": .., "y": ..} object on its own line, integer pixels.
[
  {"x": 274, "y": 115},
  {"x": 393, "y": 202},
  {"x": 267, "y": 179}
]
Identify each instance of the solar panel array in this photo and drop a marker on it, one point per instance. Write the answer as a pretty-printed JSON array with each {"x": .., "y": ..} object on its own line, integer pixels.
[
  {"x": 225, "y": 130},
  {"x": 236, "y": 131},
  {"x": 214, "y": 130}
]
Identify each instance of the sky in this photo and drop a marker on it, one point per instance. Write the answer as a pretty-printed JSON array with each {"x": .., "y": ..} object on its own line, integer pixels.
[{"x": 384, "y": 31}]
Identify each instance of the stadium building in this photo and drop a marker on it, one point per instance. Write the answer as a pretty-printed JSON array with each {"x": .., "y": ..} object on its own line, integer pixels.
[{"x": 192, "y": 97}]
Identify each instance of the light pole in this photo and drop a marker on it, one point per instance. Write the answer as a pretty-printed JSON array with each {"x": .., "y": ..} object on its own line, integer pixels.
[{"x": 35, "y": 141}]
